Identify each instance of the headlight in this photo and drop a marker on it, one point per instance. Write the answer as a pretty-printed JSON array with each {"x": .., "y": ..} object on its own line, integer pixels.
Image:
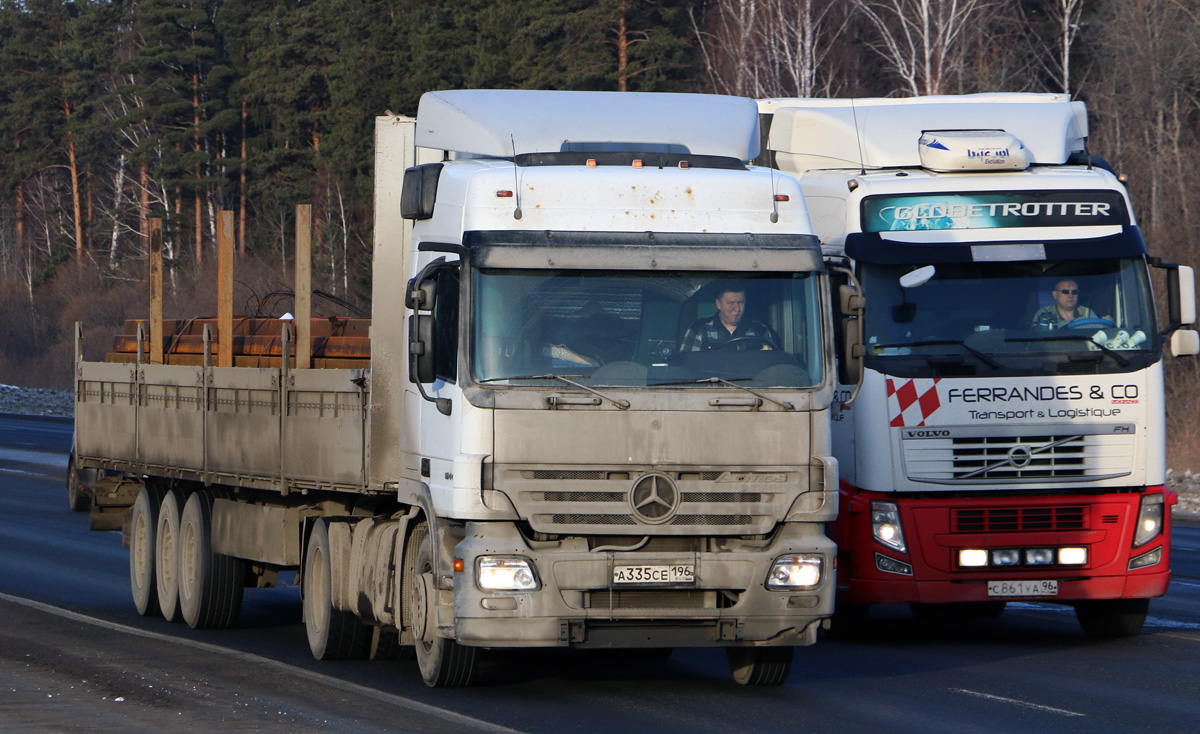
[
  {"x": 885, "y": 525},
  {"x": 1150, "y": 520},
  {"x": 505, "y": 573},
  {"x": 795, "y": 572},
  {"x": 1007, "y": 557}
]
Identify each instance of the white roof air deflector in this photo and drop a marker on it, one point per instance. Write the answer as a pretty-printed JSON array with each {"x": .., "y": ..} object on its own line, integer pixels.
[
  {"x": 824, "y": 134},
  {"x": 501, "y": 123}
]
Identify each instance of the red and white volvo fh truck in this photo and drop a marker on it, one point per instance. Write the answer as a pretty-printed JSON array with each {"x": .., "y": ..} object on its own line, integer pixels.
[{"x": 1001, "y": 430}]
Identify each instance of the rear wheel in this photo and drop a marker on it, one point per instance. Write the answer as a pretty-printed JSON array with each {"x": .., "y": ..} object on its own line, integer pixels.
[
  {"x": 1112, "y": 617},
  {"x": 444, "y": 663},
  {"x": 760, "y": 666},
  {"x": 333, "y": 634},
  {"x": 166, "y": 570},
  {"x": 76, "y": 500},
  {"x": 143, "y": 526},
  {"x": 210, "y": 584}
]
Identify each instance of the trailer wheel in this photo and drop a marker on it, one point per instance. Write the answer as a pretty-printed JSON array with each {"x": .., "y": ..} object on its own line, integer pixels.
[
  {"x": 332, "y": 633},
  {"x": 210, "y": 584},
  {"x": 166, "y": 570},
  {"x": 76, "y": 500},
  {"x": 143, "y": 526},
  {"x": 760, "y": 666},
  {"x": 444, "y": 663},
  {"x": 1112, "y": 617}
]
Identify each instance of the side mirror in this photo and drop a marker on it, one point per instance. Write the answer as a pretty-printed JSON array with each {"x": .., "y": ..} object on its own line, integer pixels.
[
  {"x": 1185, "y": 300},
  {"x": 918, "y": 277},
  {"x": 1185, "y": 343},
  {"x": 852, "y": 303},
  {"x": 422, "y": 349}
]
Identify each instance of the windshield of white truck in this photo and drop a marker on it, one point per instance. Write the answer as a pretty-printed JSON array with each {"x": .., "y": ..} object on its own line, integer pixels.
[
  {"x": 630, "y": 328},
  {"x": 1011, "y": 318}
]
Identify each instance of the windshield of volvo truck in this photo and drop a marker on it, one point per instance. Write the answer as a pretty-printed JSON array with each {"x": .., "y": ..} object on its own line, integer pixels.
[
  {"x": 630, "y": 328},
  {"x": 1010, "y": 318}
]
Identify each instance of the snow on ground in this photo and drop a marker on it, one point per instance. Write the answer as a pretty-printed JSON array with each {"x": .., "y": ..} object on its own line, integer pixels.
[{"x": 33, "y": 401}]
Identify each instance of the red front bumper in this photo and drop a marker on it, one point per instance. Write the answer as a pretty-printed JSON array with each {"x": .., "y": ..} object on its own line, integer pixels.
[{"x": 936, "y": 528}]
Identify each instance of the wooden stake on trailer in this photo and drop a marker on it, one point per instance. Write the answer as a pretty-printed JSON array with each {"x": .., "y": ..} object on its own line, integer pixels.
[
  {"x": 225, "y": 289},
  {"x": 303, "y": 300},
  {"x": 156, "y": 294}
]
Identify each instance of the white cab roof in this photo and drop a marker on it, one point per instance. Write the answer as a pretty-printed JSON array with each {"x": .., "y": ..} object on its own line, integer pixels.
[
  {"x": 820, "y": 134},
  {"x": 495, "y": 123}
]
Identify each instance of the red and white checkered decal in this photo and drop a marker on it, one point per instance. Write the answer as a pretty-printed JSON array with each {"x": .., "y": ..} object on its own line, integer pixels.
[{"x": 911, "y": 402}]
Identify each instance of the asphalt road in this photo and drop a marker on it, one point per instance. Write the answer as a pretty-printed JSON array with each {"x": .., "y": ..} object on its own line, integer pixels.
[{"x": 74, "y": 655}]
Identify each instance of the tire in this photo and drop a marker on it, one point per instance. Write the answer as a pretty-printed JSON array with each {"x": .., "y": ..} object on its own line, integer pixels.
[
  {"x": 1112, "y": 617},
  {"x": 143, "y": 526},
  {"x": 332, "y": 634},
  {"x": 760, "y": 666},
  {"x": 210, "y": 584},
  {"x": 76, "y": 500},
  {"x": 444, "y": 663},
  {"x": 166, "y": 570}
]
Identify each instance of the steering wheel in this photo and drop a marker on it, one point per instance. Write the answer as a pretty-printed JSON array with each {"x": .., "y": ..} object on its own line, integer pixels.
[
  {"x": 1080, "y": 323},
  {"x": 745, "y": 340}
]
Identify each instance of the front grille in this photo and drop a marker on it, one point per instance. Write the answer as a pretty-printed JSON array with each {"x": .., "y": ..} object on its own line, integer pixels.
[
  {"x": 598, "y": 500},
  {"x": 1019, "y": 519},
  {"x": 963, "y": 458},
  {"x": 986, "y": 458}
]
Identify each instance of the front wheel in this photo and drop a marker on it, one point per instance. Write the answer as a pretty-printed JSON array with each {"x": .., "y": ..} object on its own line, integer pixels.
[
  {"x": 443, "y": 662},
  {"x": 759, "y": 666},
  {"x": 1112, "y": 617}
]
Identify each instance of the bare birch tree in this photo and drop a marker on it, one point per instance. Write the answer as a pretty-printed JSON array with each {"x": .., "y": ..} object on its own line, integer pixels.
[{"x": 920, "y": 39}]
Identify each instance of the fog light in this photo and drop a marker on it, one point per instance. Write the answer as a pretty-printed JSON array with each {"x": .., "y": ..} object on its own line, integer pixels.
[
  {"x": 1146, "y": 559},
  {"x": 505, "y": 573},
  {"x": 1006, "y": 557},
  {"x": 1072, "y": 556},
  {"x": 1039, "y": 556},
  {"x": 972, "y": 558},
  {"x": 891, "y": 565},
  {"x": 795, "y": 572}
]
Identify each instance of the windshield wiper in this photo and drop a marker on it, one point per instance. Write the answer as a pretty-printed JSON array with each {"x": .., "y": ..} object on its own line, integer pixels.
[
  {"x": 622, "y": 404},
  {"x": 983, "y": 357},
  {"x": 1073, "y": 338},
  {"x": 731, "y": 383}
]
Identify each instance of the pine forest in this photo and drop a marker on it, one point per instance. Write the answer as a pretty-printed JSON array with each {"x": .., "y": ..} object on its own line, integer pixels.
[{"x": 115, "y": 112}]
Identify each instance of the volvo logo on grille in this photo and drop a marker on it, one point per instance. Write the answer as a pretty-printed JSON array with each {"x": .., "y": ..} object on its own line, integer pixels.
[
  {"x": 654, "y": 498},
  {"x": 1020, "y": 456}
]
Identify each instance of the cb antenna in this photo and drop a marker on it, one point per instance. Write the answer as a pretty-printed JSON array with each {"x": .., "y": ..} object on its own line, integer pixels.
[
  {"x": 516, "y": 178},
  {"x": 862, "y": 164}
]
